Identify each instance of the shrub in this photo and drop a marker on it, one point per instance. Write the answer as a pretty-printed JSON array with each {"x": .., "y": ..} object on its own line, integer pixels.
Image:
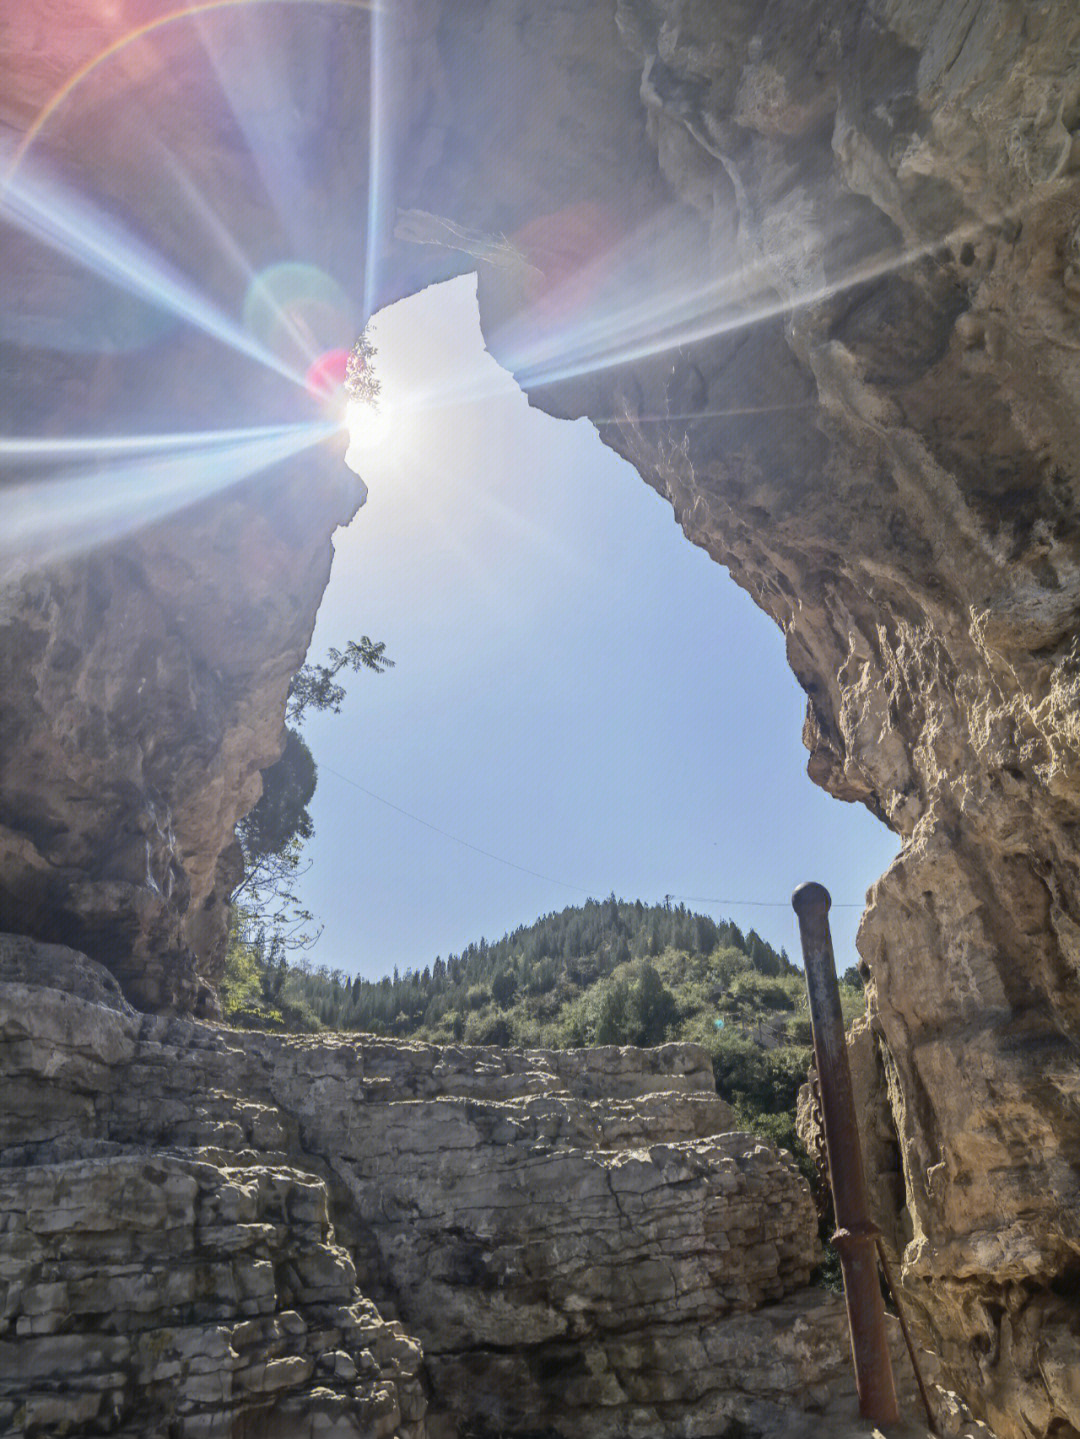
[
  {"x": 241, "y": 984},
  {"x": 800, "y": 1031},
  {"x": 768, "y": 993},
  {"x": 504, "y": 987},
  {"x": 766, "y": 1081},
  {"x": 489, "y": 1029}
]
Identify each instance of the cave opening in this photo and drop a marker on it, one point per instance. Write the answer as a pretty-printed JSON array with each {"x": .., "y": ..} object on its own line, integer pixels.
[
  {"x": 201, "y": 208},
  {"x": 579, "y": 693},
  {"x": 651, "y": 752}
]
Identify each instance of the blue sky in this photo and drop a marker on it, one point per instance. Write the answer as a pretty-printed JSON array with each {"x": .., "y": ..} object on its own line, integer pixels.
[{"x": 578, "y": 690}]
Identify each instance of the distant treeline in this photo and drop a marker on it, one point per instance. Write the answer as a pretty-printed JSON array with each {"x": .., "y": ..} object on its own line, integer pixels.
[
  {"x": 559, "y": 956},
  {"x": 605, "y": 972}
]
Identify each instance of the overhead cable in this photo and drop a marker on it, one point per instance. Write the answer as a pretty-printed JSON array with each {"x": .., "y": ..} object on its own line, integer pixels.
[{"x": 535, "y": 874}]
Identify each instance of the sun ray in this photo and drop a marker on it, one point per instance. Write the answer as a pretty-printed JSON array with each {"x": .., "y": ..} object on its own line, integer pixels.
[
  {"x": 557, "y": 335},
  {"x": 226, "y": 242},
  {"x": 732, "y": 302},
  {"x": 271, "y": 130},
  {"x": 733, "y": 412},
  {"x": 51, "y": 519},
  {"x": 160, "y": 288},
  {"x": 46, "y": 449},
  {"x": 375, "y": 215},
  {"x": 69, "y": 224}
]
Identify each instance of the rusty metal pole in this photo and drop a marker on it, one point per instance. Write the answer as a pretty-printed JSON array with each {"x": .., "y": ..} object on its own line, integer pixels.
[{"x": 856, "y": 1236}]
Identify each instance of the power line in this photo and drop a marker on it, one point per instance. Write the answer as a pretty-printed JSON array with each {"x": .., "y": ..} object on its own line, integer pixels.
[
  {"x": 756, "y": 903},
  {"x": 535, "y": 874},
  {"x": 456, "y": 838}
]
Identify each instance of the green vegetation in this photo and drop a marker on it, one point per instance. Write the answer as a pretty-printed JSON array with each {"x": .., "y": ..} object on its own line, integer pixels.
[
  {"x": 361, "y": 381},
  {"x": 606, "y": 972},
  {"x": 267, "y": 918}
]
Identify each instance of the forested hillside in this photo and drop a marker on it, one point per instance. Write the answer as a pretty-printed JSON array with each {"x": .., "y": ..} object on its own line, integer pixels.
[{"x": 606, "y": 972}]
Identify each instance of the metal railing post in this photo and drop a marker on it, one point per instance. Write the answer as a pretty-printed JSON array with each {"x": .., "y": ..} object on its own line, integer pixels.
[{"x": 856, "y": 1237}]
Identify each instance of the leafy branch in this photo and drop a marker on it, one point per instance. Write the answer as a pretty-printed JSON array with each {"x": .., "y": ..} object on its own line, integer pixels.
[
  {"x": 272, "y": 835},
  {"x": 315, "y": 687}
]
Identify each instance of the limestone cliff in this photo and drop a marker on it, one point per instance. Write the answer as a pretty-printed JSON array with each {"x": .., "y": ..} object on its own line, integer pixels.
[
  {"x": 196, "y": 1222},
  {"x": 814, "y": 271},
  {"x": 143, "y": 692}
]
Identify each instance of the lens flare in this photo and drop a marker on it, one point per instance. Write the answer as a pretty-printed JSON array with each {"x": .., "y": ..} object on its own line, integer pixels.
[
  {"x": 72, "y": 513},
  {"x": 36, "y": 203},
  {"x": 51, "y": 213},
  {"x": 298, "y": 312},
  {"x": 139, "y": 32},
  {"x": 567, "y": 253},
  {"x": 325, "y": 378}
]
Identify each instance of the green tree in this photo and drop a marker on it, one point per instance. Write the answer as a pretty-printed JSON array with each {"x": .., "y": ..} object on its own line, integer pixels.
[
  {"x": 613, "y": 1013},
  {"x": 241, "y": 987},
  {"x": 361, "y": 381},
  {"x": 504, "y": 987},
  {"x": 652, "y": 1007},
  {"x": 281, "y": 813},
  {"x": 316, "y": 687}
]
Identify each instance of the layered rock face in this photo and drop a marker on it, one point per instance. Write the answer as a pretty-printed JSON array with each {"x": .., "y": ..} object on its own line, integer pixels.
[
  {"x": 193, "y": 1218},
  {"x": 815, "y": 275},
  {"x": 166, "y": 1267},
  {"x": 144, "y": 690}
]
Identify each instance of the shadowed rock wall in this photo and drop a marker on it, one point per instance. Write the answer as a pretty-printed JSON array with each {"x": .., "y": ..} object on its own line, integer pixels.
[
  {"x": 143, "y": 691},
  {"x": 814, "y": 272}
]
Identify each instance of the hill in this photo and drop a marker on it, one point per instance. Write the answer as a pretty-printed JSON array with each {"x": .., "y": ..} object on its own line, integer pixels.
[{"x": 605, "y": 972}]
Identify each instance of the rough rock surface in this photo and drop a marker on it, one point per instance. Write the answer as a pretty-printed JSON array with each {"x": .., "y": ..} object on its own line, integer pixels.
[
  {"x": 841, "y": 254},
  {"x": 143, "y": 692},
  {"x": 193, "y": 1216},
  {"x": 165, "y": 1268},
  {"x": 144, "y": 679}
]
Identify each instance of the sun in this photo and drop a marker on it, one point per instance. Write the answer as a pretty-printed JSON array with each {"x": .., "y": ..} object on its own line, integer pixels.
[{"x": 368, "y": 426}]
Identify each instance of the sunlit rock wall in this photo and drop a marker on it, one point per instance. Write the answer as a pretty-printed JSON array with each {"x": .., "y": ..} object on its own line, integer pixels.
[
  {"x": 814, "y": 271},
  {"x": 195, "y": 1223},
  {"x": 143, "y": 690},
  {"x": 915, "y": 534}
]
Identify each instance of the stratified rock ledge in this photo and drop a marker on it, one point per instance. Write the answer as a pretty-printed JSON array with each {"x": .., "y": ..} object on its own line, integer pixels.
[{"x": 205, "y": 1231}]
